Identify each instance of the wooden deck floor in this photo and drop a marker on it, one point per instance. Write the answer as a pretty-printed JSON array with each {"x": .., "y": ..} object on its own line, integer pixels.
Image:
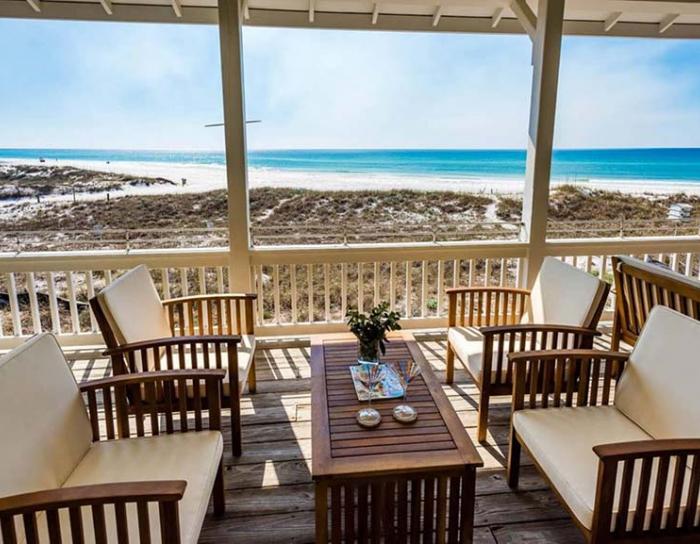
[{"x": 269, "y": 493}]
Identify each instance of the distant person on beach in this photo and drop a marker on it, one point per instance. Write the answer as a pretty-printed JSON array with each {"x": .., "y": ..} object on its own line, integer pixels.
[{"x": 184, "y": 181}]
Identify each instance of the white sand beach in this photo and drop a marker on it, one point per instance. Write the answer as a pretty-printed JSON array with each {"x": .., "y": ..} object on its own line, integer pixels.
[{"x": 208, "y": 177}]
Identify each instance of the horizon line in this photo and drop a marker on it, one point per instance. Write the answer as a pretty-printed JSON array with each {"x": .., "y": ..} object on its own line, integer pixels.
[{"x": 331, "y": 149}]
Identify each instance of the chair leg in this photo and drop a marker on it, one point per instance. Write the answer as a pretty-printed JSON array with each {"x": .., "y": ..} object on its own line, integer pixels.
[
  {"x": 236, "y": 445},
  {"x": 450, "y": 372},
  {"x": 483, "y": 422},
  {"x": 219, "y": 498},
  {"x": 252, "y": 379},
  {"x": 513, "y": 460}
]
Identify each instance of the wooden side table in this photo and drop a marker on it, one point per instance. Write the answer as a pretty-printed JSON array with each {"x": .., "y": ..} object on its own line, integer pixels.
[{"x": 395, "y": 483}]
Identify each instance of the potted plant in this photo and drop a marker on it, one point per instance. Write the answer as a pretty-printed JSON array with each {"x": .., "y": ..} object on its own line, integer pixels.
[{"x": 371, "y": 330}]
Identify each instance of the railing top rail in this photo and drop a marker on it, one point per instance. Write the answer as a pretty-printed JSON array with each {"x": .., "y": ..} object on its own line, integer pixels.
[
  {"x": 610, "y": 246},
  {"x": 56, "y": 261}
]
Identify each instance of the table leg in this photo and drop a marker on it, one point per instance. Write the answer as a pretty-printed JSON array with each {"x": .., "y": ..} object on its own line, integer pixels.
[
  {"x": 466, "y": 534},
  {"x": 321, "y": 500}
]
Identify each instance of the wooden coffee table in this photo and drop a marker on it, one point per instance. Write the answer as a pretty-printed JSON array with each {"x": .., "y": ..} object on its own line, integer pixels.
[{"x": 395, "y": 483}]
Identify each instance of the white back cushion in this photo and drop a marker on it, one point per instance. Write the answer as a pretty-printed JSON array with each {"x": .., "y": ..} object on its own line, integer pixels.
[
  {"x": 562, "y": 295},
  {"x": 43, "y": 423},
  {"x": 660, "y": 388},
  {"x": 132, "y": 306}
]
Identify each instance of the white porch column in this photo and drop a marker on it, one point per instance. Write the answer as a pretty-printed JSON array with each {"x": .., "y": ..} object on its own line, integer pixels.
[
  {"x": 543, "y": 104},
  {"x": 235, "y": 136}
]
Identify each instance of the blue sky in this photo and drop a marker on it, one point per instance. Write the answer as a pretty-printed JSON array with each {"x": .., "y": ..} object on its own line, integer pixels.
[{"x": 71, "y": 84}]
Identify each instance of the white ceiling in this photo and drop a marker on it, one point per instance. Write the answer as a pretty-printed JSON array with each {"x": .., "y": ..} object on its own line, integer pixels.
[{"x": 653, "y": 18}]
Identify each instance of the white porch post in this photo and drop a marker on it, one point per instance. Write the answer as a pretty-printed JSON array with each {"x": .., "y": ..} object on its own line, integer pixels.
[
  {"x": 543, "y": 104},
  {"x": 235, "y": 136}
]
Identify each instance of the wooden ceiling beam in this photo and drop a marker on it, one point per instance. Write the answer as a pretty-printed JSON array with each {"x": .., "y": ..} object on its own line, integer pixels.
[
  {"x": 667, "y": 22},
  {"x": 525, "y": 15},
  {"x": 375, "y": 13},
  {"x": 437, "y": 15},
  {"x": 497, "y": 16},
  {"x": 107, "y": 6},
  {"x": 611, "y": 21}
]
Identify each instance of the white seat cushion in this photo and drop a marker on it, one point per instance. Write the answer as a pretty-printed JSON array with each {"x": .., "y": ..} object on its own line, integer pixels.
[
  {"x": 468, "y": 344},
  {"x": 246, "y": 355},
  {"x": 563, "y": 295},
  {"x": 193, "y": 457},
  {"x": 561, "y": 441},
  {"x": 659, "y": 387},
  {"x": 132, "y": 307}
]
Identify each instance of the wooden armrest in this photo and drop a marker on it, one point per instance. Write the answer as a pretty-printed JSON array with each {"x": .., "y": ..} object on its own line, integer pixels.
[
  {"x": 87, "y": 495},
  {"x": 628, "y": 466},
  {"x": 217, "y": 374},
  {"x": 641, "y": 449},
  {"x": 504, "y": 340},
  {"x": 533, "y": 327},
  {"x": 550, "y": 356},
  {"x": 172, "y": 341},
  {"x": 129, "y": 399},
  {"x": 166, "y": 493},
  {"x": 483, "y": 289},
  {"x": 577, "y": 377},
  {"x": 219, "y": 296}
]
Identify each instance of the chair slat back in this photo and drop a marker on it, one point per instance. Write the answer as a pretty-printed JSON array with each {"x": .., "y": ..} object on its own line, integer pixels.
[{"x": 640, "y": 286}]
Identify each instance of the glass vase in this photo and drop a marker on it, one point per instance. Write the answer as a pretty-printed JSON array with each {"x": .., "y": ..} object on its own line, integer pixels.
[{"x": 368, "y": 352}]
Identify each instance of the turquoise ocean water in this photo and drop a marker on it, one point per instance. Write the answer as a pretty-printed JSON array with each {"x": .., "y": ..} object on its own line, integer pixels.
[{"x": 667, "y": 164}]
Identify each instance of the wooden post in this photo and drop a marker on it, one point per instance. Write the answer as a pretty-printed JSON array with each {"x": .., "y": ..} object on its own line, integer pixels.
[
  {"x": 235, "y": 136},
  {"x": 543, "y": 104}
]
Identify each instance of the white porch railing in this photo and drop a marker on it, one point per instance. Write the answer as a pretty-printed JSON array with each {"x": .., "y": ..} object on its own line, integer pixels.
[{"x": 301, "y": 290}]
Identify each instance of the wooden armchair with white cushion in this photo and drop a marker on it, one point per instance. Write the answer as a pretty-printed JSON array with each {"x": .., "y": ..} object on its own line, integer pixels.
[
  {"x": 213, "y": 331},
  {"x": 624, "y": 458},
  {"x": 105, "y": 472},
  {"x": 485, "y": 324}
]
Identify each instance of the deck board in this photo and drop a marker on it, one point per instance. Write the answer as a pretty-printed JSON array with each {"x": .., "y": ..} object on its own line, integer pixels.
[{"x": 269, "y": 493}]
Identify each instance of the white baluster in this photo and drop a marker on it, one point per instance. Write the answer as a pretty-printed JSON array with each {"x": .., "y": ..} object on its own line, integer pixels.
[
  {"x": 202, "y": 281},
  {"x": 90, "y": 294},
  {"x": 276, "y": 291},
  {"x": 327, "y": 291},
  {"x": 293, "y": 280},
  {"x": 185, "y": 286},
  {"x": 440, "y": 288},
  {"x": 376, "y": 283},
  {"x": 424, "y": 288},
  {"x": 343, "y": 290},
  {"x": 34, "y": 303},
  {"x": 392, "y": 285},
  {"x": 75, "y": 322},
  {"x": 165, "y": 277},
  {"x": 409, "y": 289},
  {"x": 14, "y": 304},
  {"x": 53, "y": 304},
  {"x": 310, "y": 294},
  {"x": 360, "y": 288}
]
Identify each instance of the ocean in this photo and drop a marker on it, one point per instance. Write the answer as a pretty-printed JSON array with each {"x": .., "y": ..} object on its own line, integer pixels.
[{"x": 575, "y": 165}]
